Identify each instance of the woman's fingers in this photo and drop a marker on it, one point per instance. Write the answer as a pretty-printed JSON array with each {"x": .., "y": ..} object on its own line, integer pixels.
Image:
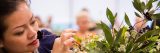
[
  {"x": 64, "y": 43},
  {"x": 66, "y": 36},
  {"x": 58, "y": 46},
  {"x": 62, "y": 47},
  {"x": 69, "y": 42}
]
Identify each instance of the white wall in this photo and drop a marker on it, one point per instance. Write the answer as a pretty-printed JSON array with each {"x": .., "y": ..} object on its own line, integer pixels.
[{"x": 64, "y": 11}]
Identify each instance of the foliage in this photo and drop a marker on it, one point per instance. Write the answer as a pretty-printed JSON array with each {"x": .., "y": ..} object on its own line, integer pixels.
[{"x": 127, "y": 39}]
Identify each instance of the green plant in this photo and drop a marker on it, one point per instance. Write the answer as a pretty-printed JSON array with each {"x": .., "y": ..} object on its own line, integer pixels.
[{"x": 128, "y": 39}]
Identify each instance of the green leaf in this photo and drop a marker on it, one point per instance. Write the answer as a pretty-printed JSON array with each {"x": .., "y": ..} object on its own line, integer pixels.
[
  {"x": 147, "y": 45},
  {"x": 102, "y": 24},
  {"x": 129, "y": 47},
  {"x": 151, "y": 12},
  {"x": 142, "y": 5},
  {"x": 148, "y": 34},
  {"x": 135, "y": 47},
  {"x": 120, "y": 36},
  {"x": 156, "y": 16},
  {"x": 137, "y": 5},
  {"x": 154, "y": 38},
  {"x": 123, "y": 36},
  {"x": 106, "y": 44},
  {"x": 102, "y": 46},
  {"x": 137, "y": 14},
  {"x": 107, "y": 32},
  {"x": 110, "y": 16},
  {"x": 149, "y": 4},
  {"x": 127, "y": 20}
]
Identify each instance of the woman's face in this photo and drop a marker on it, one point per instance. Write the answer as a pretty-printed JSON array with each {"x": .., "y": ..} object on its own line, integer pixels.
[
  {"x": 83, "y": 23},
  {"x": 21, "y": 33}
]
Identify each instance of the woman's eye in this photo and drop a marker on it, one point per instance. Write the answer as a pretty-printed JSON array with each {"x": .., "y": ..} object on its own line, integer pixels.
[
  {"x": 19, "y": 33},
  {"x": 33, "y": 22}
]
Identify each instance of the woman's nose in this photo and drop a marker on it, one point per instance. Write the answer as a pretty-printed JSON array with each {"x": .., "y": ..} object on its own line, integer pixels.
[{"x": 32, "y": 33}]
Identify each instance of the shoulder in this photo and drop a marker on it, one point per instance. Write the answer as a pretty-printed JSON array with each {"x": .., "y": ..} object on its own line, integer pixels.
[{"x": 47, "y": 41}]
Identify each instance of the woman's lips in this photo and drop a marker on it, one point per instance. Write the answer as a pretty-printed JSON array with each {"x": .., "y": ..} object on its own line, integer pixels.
[{"x": 35, "y": 42}]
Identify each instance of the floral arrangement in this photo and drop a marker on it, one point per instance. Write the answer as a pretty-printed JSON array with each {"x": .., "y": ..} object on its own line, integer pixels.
[
  {"x": 126, "y": 39},
  {"x": 85, "y": 45}
]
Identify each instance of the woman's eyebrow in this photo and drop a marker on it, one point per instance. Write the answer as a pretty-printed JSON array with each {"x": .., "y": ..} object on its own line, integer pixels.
[
  {"x": 24, "y": 24},
  {"x": 19, "y": 26}
]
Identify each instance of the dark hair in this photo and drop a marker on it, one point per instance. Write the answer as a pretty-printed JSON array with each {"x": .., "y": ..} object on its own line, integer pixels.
[{"x": 7, "y": 7}]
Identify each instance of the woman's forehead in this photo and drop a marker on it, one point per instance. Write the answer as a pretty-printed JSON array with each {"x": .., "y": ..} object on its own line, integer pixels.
[{"x": 19, "y": 17}]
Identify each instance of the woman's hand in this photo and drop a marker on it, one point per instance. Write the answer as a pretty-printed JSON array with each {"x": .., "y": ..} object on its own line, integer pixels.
[{"x": 64, "y": 43}]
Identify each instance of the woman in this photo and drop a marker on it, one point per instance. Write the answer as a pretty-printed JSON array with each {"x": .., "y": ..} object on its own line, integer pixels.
[
  {"x": 18, "y": 30},
  {"x": 83, "y": 22}
]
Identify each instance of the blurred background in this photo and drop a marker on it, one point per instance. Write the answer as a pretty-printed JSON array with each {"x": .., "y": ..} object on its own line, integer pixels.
[{"x": 61, "y": 14}]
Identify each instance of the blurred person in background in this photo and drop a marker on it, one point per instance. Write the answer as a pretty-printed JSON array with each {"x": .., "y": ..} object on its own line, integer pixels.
[
  {"x": 43, "y": 26},
  {"x": 39, "y": 21},
  {"x": 49, "y": 21},
  {"x": 93, "y": 27},
  {"x": 84, "y": 23}
]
